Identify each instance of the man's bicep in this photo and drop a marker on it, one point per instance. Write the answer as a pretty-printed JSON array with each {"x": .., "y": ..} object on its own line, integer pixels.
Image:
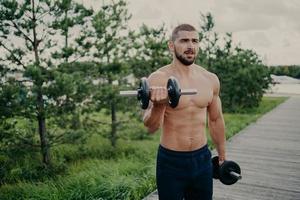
[{"x": 215, "y": 108}]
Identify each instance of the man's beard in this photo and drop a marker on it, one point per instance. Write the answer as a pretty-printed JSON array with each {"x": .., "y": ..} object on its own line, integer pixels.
[{"x": 183, "y": 60}]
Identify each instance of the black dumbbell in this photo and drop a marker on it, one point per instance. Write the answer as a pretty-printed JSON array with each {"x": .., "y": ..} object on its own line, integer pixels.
[
  {"x": 174, "y": 92},
  {"x": 229, "y": 172}
]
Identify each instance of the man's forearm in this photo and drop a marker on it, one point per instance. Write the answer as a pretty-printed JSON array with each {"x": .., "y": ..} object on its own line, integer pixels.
[
  {"x": 217, "y": 130},
  {"x": 153, "y": 117}
]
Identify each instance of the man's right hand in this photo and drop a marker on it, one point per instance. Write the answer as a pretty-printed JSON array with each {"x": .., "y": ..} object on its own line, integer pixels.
[{"x": 159, "y": 95}]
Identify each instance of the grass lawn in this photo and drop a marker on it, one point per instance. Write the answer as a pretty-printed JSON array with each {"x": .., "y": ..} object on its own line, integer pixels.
[{"x": 126, "y": 172}]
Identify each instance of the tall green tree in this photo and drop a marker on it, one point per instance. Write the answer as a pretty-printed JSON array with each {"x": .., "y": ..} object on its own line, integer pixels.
[
  {"x": 109, "y": 52},
  {"x": 33, "y": 87}
]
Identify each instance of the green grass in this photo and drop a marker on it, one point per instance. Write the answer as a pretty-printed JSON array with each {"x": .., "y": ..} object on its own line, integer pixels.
[
  {"x": 237, "y": 121},
  {"x": 99, "y": 171}
]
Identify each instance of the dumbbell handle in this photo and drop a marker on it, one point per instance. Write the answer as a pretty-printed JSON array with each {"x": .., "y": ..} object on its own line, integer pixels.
[
  {"x": 128, "y": 93},
  {"x": 135, "y": 92},
  {"x": 188, "y": 92},
  {"x": 235, "y": 175}
]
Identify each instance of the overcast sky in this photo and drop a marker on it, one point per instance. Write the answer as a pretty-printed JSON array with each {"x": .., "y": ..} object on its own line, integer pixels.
[{"x": 270, "y": 27}]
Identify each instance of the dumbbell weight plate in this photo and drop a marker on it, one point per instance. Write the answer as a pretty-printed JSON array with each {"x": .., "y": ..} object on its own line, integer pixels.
[
  {"x": 225, "y": 176},
  {"x": 216, "y": 166},
  {"x": 143, "y": 93},
  {"x": 173, "y": 92}
]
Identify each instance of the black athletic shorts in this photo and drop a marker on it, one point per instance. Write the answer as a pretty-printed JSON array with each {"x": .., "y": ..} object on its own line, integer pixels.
[{"x": 184, "y": 175}]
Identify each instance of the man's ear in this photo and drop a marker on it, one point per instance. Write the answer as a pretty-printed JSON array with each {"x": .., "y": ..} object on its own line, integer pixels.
[{"x": 171, "y": 46}]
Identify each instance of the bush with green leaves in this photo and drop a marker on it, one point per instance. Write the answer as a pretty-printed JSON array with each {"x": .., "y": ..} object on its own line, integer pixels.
[{"x": 243, "y": 77}]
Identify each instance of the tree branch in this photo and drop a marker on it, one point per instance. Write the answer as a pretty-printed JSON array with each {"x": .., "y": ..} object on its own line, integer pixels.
[
  {"x": 26, "y": 36},
  {"x": 42, "y": 15},
  {"x": 10, "y": 51},
  {"x": 19, "y": 81},
  {"x": 44, "y": 34},
  {"x": 27, "y": 15}
]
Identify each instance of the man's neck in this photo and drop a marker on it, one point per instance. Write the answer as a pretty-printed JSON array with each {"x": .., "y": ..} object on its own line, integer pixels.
[{"x": 181, "y": 69}]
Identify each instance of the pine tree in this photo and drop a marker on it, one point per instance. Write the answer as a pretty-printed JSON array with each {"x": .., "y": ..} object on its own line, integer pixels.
[
  {"x": 110, "y": 52},
  {"x": 36, "y": 87}
]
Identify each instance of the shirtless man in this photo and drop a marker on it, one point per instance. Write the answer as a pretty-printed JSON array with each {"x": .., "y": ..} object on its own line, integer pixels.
[{"x": 184, "y": 168}]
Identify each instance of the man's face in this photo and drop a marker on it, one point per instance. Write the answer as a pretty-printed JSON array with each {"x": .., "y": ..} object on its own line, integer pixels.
[{"x": 186, "y": 47}]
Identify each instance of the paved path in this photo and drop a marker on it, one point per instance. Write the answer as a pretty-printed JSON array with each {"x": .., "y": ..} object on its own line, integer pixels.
[{"x": 268, "y": 152}]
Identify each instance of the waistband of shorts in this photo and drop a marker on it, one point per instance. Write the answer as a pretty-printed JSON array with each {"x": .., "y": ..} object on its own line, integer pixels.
[{"x": 183, "y": 153}]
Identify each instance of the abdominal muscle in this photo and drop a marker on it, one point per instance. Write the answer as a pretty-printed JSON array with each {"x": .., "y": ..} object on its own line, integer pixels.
[{"x": 184, "y": 129}]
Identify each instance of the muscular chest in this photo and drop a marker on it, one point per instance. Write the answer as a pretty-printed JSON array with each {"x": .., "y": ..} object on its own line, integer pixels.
[{"x": 201, "y": 99}]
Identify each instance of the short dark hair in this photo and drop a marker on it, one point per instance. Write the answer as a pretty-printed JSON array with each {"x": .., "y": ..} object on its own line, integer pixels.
[{"x": 181, "y": 27}]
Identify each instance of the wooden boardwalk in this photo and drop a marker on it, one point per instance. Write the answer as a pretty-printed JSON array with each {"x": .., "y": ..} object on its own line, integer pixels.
[{"x": 268, "y": 153}]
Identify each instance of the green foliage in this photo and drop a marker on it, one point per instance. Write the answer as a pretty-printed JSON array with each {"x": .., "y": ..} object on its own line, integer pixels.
[
  {"x": 98, "y": 181},
  {"x": 243, "y": 79},
  {"x": 242, "y": 75},
  {"x": 97, "y": 170},
  {"x": 124, "y": 172},
  {"x": 73, "y": 107},
  {"x": 34, "y": 86},
  {"x": 151, "y": 50},
  {"x": 12, "y": 97},
  {"x": 69, "y": 14},
  {"x": 19, "y": 153},
  {"x": 108, "y": 24},
  {"x": 111, "y": 50},
  {"x": 293, "y": 70}
]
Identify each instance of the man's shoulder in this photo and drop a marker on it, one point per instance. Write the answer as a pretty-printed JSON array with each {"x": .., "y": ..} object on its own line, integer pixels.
[
  {"x": 211, "y": 77},
  {"x": 206, "y": 73},
  {"x": 161, "y": 72}
]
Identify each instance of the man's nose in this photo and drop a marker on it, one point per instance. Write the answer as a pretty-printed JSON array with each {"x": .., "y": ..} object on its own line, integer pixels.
[{"x": 190, "y": 44}]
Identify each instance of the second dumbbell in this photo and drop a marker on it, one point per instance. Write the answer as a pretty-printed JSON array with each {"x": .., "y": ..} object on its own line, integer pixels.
[{"x": 229, "y": 172}]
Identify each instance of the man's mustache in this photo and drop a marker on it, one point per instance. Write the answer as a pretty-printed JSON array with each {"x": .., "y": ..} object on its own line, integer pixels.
[{"x": 190, "y": 51}]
